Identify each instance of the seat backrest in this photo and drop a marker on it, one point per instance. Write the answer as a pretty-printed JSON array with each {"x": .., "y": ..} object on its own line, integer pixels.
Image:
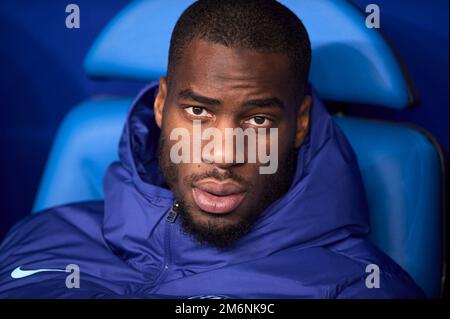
[
  {"x": 400, "y": 165},
  {"x": 126, "y": 49},
  {"x": 401, "y": 171},
  {"x": 86, "y": 143}
]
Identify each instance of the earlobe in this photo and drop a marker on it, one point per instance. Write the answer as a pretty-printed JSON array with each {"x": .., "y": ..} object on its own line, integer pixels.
[
  {"x": 160, "y": 99},
  {"x": 303, "y": 121}
]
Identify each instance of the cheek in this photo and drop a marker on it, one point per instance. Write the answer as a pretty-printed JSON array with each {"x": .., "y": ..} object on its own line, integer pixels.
[
  {"x": 286, "y": 137},
  {"x": 278, "y": 146},
  {"x": 172, "y": 118},
  {"x": 184, "y": 171},
  {"x": 250, "y": 172}
]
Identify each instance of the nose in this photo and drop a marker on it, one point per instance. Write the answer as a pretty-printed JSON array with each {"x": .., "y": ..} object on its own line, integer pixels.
[
  {"x": 222, "y": 157},
  {"x": 219, "y": 164},
  {"x": 220, "y": 150}
]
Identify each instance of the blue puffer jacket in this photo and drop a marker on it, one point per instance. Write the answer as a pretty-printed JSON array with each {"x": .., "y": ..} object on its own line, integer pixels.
[{"x": 311, "y": 243}]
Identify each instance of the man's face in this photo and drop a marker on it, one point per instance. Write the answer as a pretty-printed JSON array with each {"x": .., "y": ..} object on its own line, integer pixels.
[{"x": 222, "y": 87}]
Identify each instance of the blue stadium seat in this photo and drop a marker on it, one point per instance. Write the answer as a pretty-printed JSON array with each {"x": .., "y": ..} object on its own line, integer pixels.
[
  {"x": 400, "y": 164},
  {"x": 86, "y": 143}
]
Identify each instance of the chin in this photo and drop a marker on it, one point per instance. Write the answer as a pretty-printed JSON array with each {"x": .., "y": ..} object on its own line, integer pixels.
[{"x": 201, "y": 217}]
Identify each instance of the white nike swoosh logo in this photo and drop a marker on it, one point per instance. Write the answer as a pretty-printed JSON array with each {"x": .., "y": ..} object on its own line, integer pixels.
[{"x": 21, "y": 273}]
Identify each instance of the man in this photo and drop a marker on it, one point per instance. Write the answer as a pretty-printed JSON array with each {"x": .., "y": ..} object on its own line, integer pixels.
[{"x": 206, "y": 226}]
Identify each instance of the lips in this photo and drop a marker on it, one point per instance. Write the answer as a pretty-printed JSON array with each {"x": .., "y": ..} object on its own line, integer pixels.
[{"x": 217, "y": 197}]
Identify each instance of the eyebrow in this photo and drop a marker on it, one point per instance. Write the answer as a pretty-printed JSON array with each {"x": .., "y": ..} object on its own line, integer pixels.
[
  {"x": 269, "y": 102},
  {"x": 191, "y": 95},
  {"x": 262, "y": 103}
]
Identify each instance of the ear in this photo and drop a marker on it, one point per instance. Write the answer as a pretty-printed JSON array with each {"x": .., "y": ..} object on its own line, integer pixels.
[
  {"x": 160, "y": 100},
  {"x": 303, "y": 121}
]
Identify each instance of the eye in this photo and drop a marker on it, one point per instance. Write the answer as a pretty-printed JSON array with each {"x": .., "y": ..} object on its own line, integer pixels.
[
  {"x": 197, "y": 111},
  {"x": 260, "y": 121}
]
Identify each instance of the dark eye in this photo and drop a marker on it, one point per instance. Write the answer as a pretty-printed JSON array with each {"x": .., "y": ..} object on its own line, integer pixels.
[
  {"x": 260, "y": 121},
  {"x": 197, "y": 111}
]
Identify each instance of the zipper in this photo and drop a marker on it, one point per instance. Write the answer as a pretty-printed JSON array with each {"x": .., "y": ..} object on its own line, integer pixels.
[
  {"x": 172, "y": 215},
  {"x": 170, "y": 218}
]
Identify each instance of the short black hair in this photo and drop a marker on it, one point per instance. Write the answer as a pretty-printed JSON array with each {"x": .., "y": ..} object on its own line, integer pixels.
[{"x": 261, "y": 25}]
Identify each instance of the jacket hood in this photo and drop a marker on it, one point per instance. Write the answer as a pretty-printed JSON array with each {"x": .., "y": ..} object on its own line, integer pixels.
[{"x": 326, "y": 202}]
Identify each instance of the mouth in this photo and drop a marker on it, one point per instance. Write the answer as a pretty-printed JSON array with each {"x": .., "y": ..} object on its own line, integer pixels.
[{"x": 216, "y": 197}]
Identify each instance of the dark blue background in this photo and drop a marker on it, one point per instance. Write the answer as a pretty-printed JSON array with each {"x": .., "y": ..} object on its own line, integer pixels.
[{"x": 42, "y": 78}]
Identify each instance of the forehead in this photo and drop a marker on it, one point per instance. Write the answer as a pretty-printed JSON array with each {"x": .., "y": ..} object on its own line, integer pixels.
[{"x": 226, "y": 72}]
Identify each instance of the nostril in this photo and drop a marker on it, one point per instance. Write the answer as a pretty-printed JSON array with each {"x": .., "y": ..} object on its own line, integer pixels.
[
  {"x": 208, "y": 161},
  {"x": 225, "y": 166},
  {"x": 210, "y": 158}
]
